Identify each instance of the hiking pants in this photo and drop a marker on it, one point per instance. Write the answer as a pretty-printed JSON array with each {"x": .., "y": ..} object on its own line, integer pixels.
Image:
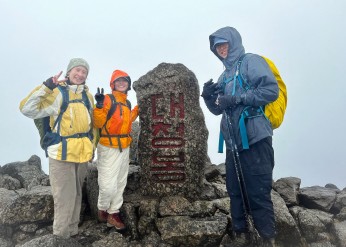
[
  {"x": 113, "y": 168},
  {"x": 66, "y": 179},
  {"x": 257, "y": 164}
]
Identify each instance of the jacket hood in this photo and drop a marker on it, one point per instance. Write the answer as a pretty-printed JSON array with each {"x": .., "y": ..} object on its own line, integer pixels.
[
  {"x": 119, "y": 74},
  {"x": 236, "y": 48}
]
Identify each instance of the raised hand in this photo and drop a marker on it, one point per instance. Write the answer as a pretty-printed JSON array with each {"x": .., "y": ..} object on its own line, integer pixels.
[
  {"x": 53, "y": 82},
  {"x": 209, "y": 89},
  {"x": 99, "y": 97}
]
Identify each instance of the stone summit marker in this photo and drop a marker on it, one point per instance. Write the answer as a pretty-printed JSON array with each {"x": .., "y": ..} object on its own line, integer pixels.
[{"x": 172, "y": 146}]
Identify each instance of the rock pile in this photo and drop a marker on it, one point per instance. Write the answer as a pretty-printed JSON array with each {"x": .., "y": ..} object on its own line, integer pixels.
[{"x": 310, "y": 216}]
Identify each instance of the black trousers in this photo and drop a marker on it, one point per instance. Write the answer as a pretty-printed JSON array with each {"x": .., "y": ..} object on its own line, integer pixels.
[{"x": 257, "y": 165}]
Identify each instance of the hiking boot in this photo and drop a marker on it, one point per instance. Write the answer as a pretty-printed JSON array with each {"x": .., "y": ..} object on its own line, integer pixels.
[
  {"x": 114, "y": 220},
  {"x": 102, "y": 216},
  {"x": 241, "y": 239}
]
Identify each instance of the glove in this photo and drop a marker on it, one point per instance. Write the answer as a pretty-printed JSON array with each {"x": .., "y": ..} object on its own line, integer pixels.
[
  {"x": 209, "y": 89},
  {"x": 99, "y": 97},
  {"x": 50, "y": 84},
  {"x": 226, "y": 101}
]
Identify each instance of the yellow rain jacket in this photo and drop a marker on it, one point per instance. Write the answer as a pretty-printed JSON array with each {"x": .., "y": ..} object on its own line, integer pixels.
[
  {"x": 43, "y": 102},
  {"x": 120, "y": 123}
]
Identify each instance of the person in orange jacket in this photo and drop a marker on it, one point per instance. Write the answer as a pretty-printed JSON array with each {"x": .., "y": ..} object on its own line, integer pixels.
[{"x": 114, "y": 117}]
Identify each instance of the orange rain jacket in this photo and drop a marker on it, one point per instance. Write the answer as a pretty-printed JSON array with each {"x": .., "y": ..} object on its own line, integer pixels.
[{"x": 120, "y": 123}]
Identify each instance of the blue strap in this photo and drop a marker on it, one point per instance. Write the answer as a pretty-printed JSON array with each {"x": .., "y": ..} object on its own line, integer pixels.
[
  {"x": 64, "y": 149},
  {"x": 65, "y": 101},
  {"x": 64, "y": 143},
  {"x": 242, "y": 128},
  {"x": 221, "y": 141},
  {"x": 234, "y": 81}
]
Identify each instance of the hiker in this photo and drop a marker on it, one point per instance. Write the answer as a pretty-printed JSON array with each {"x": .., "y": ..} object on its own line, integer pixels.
[
  {"x": 114, "y": 117},
  {"x": 229, "y": 98},
  {"x": 72, "y": 146}
]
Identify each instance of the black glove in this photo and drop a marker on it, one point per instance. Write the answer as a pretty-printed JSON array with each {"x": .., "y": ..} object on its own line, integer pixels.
[
  {"x": 209, "y": 89},
  {"x": 99, "y": 97},
  {"x": 50, "y": 84},
  {"x": 226, "y": 101}
]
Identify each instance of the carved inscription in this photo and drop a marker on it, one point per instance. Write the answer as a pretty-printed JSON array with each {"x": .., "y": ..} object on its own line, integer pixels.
[{"x": 168, "y": 139}]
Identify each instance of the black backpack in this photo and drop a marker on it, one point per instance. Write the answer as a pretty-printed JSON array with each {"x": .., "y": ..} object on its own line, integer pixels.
[{"x": 110, "y": 114}]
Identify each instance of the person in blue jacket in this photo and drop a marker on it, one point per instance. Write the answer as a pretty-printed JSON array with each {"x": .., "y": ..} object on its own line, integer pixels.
[{"x": 257, "y": 161}]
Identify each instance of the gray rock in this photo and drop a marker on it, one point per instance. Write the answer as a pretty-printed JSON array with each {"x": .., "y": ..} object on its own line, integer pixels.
[
  {"x": 6, "y": 231},
  {"x": 175, "y": 205},
  {"x": 130, "y": 219},
  {"x": 208, "y": 191},
  {"x": 323, "y": 244},
  {"x": 211, "y": 171},
  {"x": 8, "y": 182},
  {"x": 287, "y": 229},
  {"x": 331, "y": 186},
  {"x": 314, "y": 224},
  {"x": 5, "y": 243},
  {"x": 220, "y": 190},
  {"x": 340, "y": 201},
  {"x": 342, "y": 214},
  {"x": 339, "y": 230},
  {"x": 26, "y": 206},
  {"x": 223, "y": 204},
  {"x": 92, "y": 190},
  {"x": 52, "y": 241},
  {"x": 185, "y": 231},
  {"x": 173, "y": 137},
  {"x": 204, "y": 208},
  {"x": 133, "y": 180},
  {"x": 111, "y": 240},
  {"x": 30, "y": 228},
  {"x": 288, "y": 189},
  {"x": 29, "y": 173},
  {"x": 317, "y": 197},
  {"x": 135, "y": 130}
]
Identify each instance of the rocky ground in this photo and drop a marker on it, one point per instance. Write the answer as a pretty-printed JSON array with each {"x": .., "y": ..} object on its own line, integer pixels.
[{"x": 311, "y": 216}]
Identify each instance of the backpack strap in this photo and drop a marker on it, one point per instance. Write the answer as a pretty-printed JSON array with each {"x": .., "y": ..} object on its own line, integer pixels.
[
  {"x": 65, "y": 102},
  {"x": 63, "y": 107},
  {"x": 221, "y": 141},
  {"x": 109, "y": 115},
  {"x": 249, "y": 111}
]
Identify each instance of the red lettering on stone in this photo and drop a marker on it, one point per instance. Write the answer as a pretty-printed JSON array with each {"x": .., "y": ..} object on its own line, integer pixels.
[
  {"x": 181, "y": 129},
  {"x": 169, "y": 159},
  {"x": 169, "y": 178},
  {"x": 154, "y": 99},
  {"x": 177, "y": 106},
  {"x": 167, "y": 142},
  {"x": 160, "y": 127}
]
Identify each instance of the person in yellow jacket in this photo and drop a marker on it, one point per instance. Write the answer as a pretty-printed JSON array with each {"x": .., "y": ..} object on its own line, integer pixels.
[
  {"x": 68, "y": 157},
  {"x": 114, "y": 117}
]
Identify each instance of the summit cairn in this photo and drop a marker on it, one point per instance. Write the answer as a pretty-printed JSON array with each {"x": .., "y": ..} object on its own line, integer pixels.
[{"x": 172, "y": 146}]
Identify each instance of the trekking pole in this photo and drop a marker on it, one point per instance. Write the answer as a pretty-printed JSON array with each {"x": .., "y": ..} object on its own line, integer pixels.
[{"x": 255, "y": 237}]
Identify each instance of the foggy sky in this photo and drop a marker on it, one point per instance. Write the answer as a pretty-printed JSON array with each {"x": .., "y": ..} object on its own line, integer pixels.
[{"x": 305, "y": 39}]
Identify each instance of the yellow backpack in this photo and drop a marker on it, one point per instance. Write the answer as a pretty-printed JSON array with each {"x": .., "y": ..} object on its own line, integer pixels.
[{"x": 275, "y": 111}]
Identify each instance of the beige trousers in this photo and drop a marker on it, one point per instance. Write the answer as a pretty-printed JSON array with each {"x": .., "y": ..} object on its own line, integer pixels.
[
  {"x": 113, "y": 168},
  {"x": 66, "y": 180}
]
